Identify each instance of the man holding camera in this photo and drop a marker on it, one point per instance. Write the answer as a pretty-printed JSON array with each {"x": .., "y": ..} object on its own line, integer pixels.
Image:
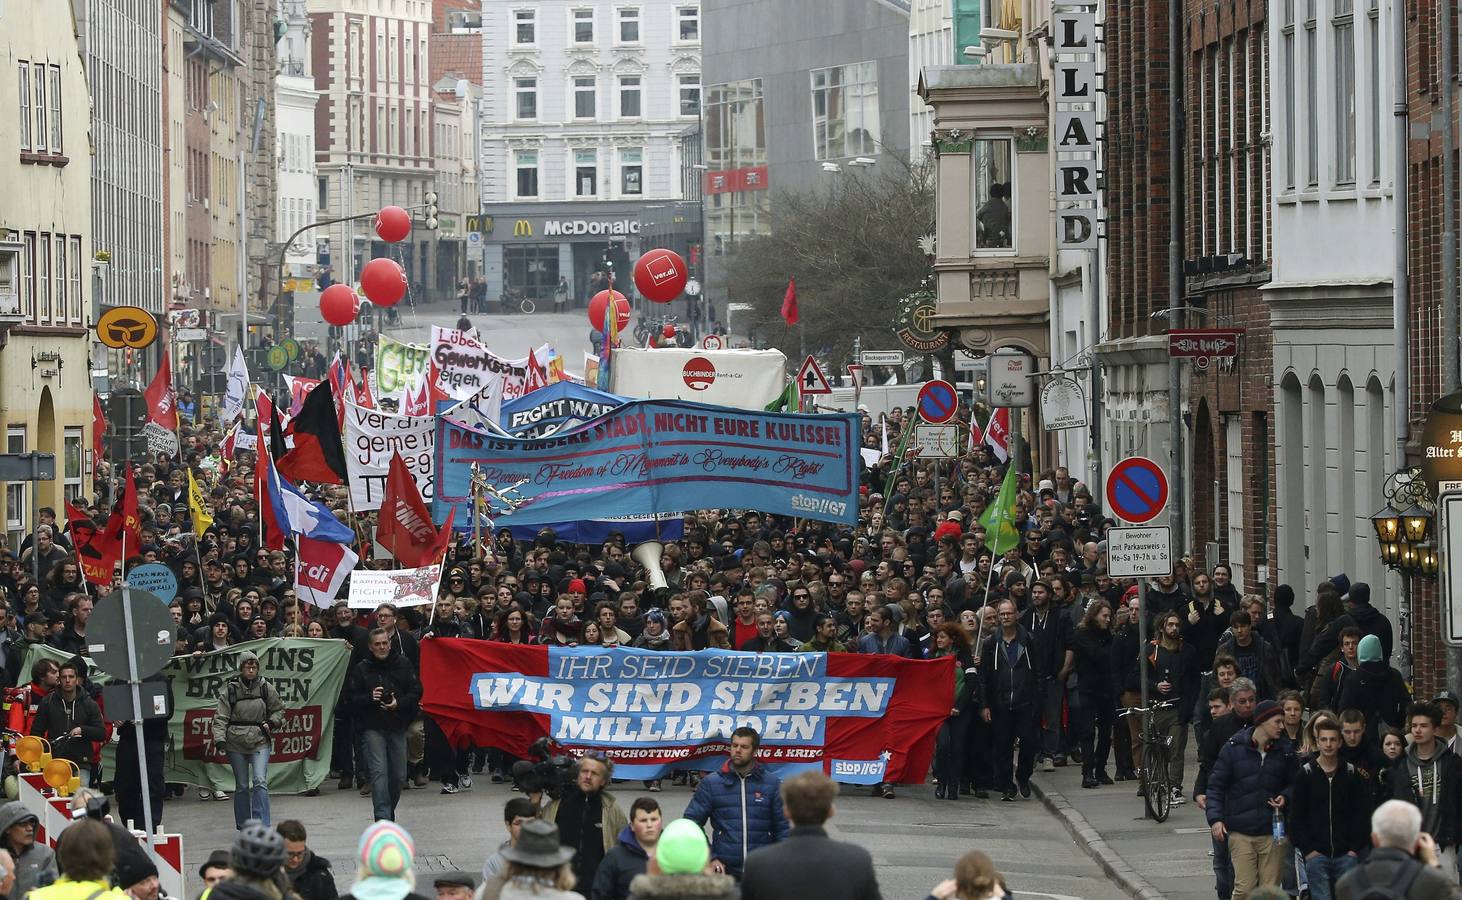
[
  {"x": 382, "y": 693},
  {"x": 588, "y": 818}
]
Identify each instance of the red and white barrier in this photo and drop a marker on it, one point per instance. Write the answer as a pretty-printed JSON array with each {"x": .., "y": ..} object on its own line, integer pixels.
[{"x": 54, "y": 814}]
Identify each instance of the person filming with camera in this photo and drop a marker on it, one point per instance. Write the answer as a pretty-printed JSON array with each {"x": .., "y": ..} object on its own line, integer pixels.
[
  {"x": 383, "y": 693},
  {"x": 589, "y": 819}
]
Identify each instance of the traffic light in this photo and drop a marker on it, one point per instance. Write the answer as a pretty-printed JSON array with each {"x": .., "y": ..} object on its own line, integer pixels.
[
  {"x": 217, "y": 358},
  {"x": 431, "y": 210}
]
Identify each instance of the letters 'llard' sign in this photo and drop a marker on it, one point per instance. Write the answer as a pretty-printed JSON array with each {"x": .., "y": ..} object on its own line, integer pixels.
[{"x": 1075, "y": 85}]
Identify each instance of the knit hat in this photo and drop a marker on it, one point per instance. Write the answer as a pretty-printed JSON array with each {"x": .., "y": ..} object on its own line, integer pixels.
[
  {"x": 132, "y": 868},
  {"x": 1266, "y": 711},
  {"x": 1369, "y": 650},
  {"x": 1341, "y": 582},
  {"x": 384, "y": 863},
  {"x": 682, "y": 849}
]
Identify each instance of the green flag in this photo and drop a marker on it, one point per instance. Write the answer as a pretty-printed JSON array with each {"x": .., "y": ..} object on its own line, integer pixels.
[
  {"x": 999, "y": 518},
  {"x": 787, "y": 401}
]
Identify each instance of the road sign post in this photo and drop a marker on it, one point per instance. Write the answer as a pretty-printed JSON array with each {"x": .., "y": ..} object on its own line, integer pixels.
[
  {"x": 1137, "y": 490},
  {"x": 937, "y": 402}
]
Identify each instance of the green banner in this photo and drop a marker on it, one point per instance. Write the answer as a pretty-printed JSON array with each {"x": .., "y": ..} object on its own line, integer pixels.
[
  {"x": 307, "y": 672},
  {"x": 398, "y": 364}
]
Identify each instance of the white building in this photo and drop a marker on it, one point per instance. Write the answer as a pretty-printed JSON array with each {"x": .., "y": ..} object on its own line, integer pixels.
[
  {"x": 295, "y": 98},
  {"x": 122, "y": 48},
  {"x": 583, "y": 105},
  {"x": 931, "y": 43},
  {"x": 1330, "y": 299}
]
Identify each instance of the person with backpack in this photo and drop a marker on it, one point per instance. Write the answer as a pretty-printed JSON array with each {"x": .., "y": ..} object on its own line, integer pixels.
[
  {"x": 1429, "y": 775},
  {"x": 249, "y": 714},
  {"x": 1404, "y": 865},
  {"x": 1328, "y": 813}
]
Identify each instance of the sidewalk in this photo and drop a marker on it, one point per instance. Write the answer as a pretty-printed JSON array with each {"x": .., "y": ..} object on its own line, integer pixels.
[{"x": 1150, "y": 860}]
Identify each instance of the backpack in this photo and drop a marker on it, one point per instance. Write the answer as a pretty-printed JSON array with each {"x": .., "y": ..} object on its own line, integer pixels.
[{"x": 1397, "y": 889}]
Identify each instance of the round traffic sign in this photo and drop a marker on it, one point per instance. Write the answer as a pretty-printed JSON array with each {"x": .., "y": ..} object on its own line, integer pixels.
[
  {"x": 712, "y": 342},
  {"x": 155, "y": 578},
  {"x": 1137, "y": 490},
  {"x": 153, "y": 633},
  {"x": 278, "y": 358},
  {"x": 937, "y": 402}
]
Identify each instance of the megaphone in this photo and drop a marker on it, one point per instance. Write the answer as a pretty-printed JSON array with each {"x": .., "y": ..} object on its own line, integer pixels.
[{"x": 648, "y": 556}]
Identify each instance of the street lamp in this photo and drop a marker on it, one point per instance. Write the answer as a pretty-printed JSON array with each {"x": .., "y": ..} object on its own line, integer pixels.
[
  {"x": 1387, "y": 523},
  {"x": 1415, "y": 522}
]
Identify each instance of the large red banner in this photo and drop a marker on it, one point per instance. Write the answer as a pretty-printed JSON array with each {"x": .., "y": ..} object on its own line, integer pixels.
[{"x": 861, "y": 719}]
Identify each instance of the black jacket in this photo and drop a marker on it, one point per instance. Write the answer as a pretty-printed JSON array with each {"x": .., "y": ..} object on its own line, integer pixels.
[
  {"x": 1179, "y": 669},
  {"x": 1384, "y": 867},
  {"x": 619, "y": 867},
  {"x": 1290, "y": 629},
  {"x": 316, "y": 881},
  {"x": 1372, "y": 621},
  {"x": 1204, "y": 634},
  {"x": 1271, "y": 678},
  {"x": 1441, "y": 775},
  {"x": 395, "y": 675},
  {"x": 1007, "y": 687},
  {"x": 56, "y": 718},
  {"x": 1329, "y": 814},
  {"x": 809, "y": 864},
  {"x": 1050, "y": 638},
  {"x": 1093, "y": 649},
  {"x": 1218, "y": 734},
  {"x": 1380, "y": 692}
]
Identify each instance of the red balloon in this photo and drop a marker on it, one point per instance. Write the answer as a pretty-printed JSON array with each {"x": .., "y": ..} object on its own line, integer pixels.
[
  {"x": 668, "y": 331},
  {"x": 600, "y": 302},
  {"x": 393, "y": 224},
  {"x": 339, "y": 304},
  {"x": 660, "y": 275},
  {"x": 383, "y": 282}
]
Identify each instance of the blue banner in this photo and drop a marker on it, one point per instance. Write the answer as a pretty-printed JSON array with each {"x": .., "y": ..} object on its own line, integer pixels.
[
  {"x": 636, "y": 530},
  {"x": 654, "y": 456},
  {"x": 555, "y": 408}
]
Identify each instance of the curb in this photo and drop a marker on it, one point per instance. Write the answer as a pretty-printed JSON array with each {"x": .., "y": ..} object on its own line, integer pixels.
[{"x": 1095, "y": 845}]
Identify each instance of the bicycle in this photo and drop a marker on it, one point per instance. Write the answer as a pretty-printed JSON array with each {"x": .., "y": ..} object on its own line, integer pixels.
[{"x": 1157, "y": 784}]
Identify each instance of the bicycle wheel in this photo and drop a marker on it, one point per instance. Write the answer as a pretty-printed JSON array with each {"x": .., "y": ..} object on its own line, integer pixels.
[
  {"x": 527, "y": 306},
  {"x": 1156, "y": 779}
]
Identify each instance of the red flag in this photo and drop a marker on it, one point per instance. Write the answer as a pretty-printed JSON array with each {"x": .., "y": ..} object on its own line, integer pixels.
[
  {"x": 319, "y": 570},
  {"x": 98, "y": 427},
  {"x": 162, "y": 400},
  {"x": 263, "y": 472},
  {"x": 123, "y": 535},
  {"x": 434, "y": 393},
  {"x": 537, "y": 375},
  {"x": 318, "y": 453},
  {"x": 997, "y": 433},
  {"x": 403, "y": 524},
  {"x": 789, "y": 303},
  {"x": 363, "y": 397}
]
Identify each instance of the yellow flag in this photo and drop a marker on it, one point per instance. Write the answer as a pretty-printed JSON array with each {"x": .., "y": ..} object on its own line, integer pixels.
[{"x": 196, "y": 510}]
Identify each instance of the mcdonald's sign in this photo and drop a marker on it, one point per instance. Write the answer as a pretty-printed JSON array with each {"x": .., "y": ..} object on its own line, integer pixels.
[
  {"x": 480, "y": 223},
  {"x": 522, "y": 228}
]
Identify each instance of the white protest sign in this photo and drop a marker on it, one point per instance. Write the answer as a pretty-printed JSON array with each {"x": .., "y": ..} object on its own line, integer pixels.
[
  {"x": 372, "y": 437},
  {"x": 465, "y": 366},
  {"x": 403, "y": 587}
]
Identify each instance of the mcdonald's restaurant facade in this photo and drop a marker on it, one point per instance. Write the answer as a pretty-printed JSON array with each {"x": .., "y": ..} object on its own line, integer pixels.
[{"x": 528, "y": 246}]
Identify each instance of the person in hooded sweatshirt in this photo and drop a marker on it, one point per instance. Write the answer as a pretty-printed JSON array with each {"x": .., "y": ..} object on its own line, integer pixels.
[
  {"x": 1369, "y": 619},
  {"x": 35, "y": 863},
  {"x": 1288, "y": 626},
  {"x": 1376, "y": 689},
  {"x": 1429, "y": 776}
]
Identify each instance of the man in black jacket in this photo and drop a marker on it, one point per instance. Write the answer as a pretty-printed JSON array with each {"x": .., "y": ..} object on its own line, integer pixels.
[
  {"x": 1328, "y": 813},
  {"x": 1051, "y": 631},
  {"x": 1010, "y": 703},
  {"x": 809, "y": 863},
  {"x": 1258, "y": 660},
  {"x": 1430, "y": 776},
  {"x": 634, "y": 846},
  {"x": 309, "y": 873},
  {"x": 71, "y": 720},
  {"x": 1405, "y": 859},
  {"x": 1172, "y": 675},
  {"x": 1369, "y": 619},
  {"x": 383, "y": 693}
]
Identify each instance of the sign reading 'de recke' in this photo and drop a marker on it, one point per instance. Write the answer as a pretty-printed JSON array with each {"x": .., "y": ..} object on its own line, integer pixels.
[{"x": 1139, "y": 552}]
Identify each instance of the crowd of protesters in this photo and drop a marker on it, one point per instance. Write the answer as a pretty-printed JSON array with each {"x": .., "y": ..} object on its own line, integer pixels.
[{"x": 1278, "y": 703}]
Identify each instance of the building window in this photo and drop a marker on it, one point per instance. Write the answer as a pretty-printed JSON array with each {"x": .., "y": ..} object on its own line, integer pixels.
[
  {"x": 1290, "y": 94},
  {"x": 525, "y": 27},
  {"x": 1312, "y": 100},
  {"x": 994, "y": 202},
  {"x": 525, "y": 90},
  {"x": 1373, "y": 12},
  {"x": 690, "y": 94},
  {"x": 631, "y": 172},
  {"x": 531, "y": 268},
  {"x": 28, "y": 278},
  {"x": 583, "y": 26},
  {"x": 55, "y": 111},
  {"x": 526, "y": 163},
  {"x": 38, "y": 88},
  {"x": 584, "y": 96},
  {"x": 629, "y": 25},
  {"x": 845, "y": 111},
  {"x": 586, "y": 173},
  {"x": 688, "y": 20},
  {"x": 43, "y": 277},
  {"x": 24, "y": 74},
  {"x": 629, "y": 96},
  {"x": 16, "y": 521},
  {"x": 63, "y": 299},
  {"x": 73, "y": 442},
  {"x": 1342, "y": 26}
]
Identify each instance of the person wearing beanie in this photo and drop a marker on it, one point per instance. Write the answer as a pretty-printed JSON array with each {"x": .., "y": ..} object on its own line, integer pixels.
[
  {"x": 137, "y": 877},
  {"x": 656, "y": 634},
  {"x": 1376, "y": 689},
  {"x": 677, "y": 871},
  {"x": 249, "y": 713},
  {"x": 384, "y": 865},
  {"x": 1369, "y": 619},
  {"x": 1429, "y": 776},
  {"x": 1248, "y": 788}
]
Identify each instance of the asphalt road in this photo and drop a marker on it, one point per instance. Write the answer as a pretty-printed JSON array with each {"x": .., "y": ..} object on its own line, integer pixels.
[{"x": 914, "y": 839}]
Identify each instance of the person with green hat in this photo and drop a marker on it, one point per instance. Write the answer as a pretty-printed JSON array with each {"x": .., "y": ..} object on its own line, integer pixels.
[
  {"x": 1376, "y": 689},
  {"x": 677, "y": 871}
]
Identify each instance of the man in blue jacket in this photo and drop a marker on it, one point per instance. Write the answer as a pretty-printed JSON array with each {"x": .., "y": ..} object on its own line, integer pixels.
[
  {"x": 1247, "y": 790},
  {"x": 743, "y": 803}
]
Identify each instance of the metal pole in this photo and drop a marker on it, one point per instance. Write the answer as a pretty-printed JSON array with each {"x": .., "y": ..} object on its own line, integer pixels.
[
  {"x": 1142, "y": 636},
  {"x": 1098, "y": 474},
  {"x": 1449, "y": 248},
  {"x": 132, "y": 679},
  {"x": 1176, "y": 318},
  {"x": 1399, "y": 292},
  {"x": 35, "y": 517}
]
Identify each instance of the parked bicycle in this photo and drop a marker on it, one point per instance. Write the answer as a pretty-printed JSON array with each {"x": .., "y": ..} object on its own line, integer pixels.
[{"x": 1157, "y": 783}]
